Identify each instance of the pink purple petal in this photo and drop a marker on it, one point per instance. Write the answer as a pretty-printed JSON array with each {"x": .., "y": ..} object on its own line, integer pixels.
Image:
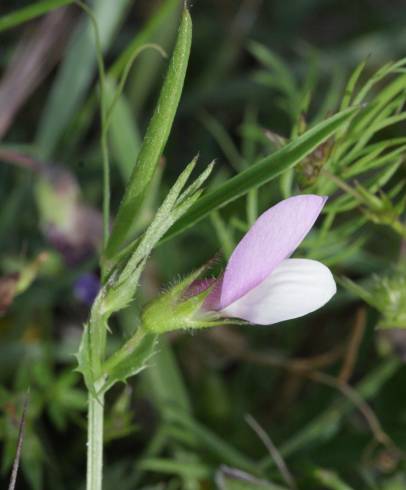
[
  {"x": 273, "y": 237},
  {"x": 295, "y": 288},
  {"x": 212, "y": 302},
  {"x": 198, "y": 287}
]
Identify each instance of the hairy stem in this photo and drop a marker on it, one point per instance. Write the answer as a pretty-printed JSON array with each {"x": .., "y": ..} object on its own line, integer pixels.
[{"x": 95, "y": 442}]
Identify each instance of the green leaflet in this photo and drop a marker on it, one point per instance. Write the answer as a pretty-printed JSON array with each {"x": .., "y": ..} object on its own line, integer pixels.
[
  {"x": 176, "y": 203},
  {"x": 138, "y": 354},
  {"x": 155, "y": 138},
  {"x": 120, "y": 290},
  {"x": 84, "y": 359},
  {"x": 92, "y": 346}
]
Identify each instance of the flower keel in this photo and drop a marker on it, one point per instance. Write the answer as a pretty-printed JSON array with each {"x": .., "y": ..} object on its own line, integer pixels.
[{"x": 294, "y": 289}]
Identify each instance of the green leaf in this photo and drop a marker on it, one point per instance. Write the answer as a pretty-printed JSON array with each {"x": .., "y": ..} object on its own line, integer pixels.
[
  {"x": 25, "y": 14},
  {"x": 92, "y": 346},
  {"x": 262, "y": 172},
  {"x": 346, "y": 202},
  {"x": 384, "y": 71},
  {"x": 164, "y": 217},
  {"x": 84, "y": 359},
  {"x": 371, "y": 161},
  {"x": 210, "y": 441},
  {"x": 183, "y": 469},
  {"x": 155, "y": 138},
  {"x": 224, "y": 234},
  {"x": 121, "y": 290},
  {"x": 124, "y": 135},
  {"x": 330, "y": 480},
  {"x": 224, "y": 141},
  {"x": 352, "y": 82},
  {"x": 165, "y": 382},
  {"x": 138, "y": 351},
  {"x": 280, "y": 76}
]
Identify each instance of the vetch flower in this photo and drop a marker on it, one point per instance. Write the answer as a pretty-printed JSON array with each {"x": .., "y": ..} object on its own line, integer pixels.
[{"x": 261, "y": 284}]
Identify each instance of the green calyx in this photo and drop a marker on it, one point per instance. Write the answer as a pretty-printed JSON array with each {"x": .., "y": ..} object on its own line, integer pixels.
[{"x": 174, "y": 310}]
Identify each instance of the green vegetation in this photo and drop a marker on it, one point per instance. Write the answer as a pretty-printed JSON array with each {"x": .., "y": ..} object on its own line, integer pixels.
[{"x": 134, "y": 150}]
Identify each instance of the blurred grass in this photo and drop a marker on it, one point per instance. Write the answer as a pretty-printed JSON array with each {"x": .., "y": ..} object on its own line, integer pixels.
[
  {"x": 76, "y": 73},
  {"x": 17, "y": 17}
]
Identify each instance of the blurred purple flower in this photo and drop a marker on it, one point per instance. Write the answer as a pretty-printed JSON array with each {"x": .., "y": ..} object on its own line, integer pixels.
[
  {"x": 260, "y": 283},
  {"x": 71, "y": 226},
  {"x": 86, "y": 288}
]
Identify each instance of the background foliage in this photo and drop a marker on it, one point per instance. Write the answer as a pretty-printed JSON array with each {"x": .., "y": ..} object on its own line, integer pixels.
[{"x": 214, "y": 409}]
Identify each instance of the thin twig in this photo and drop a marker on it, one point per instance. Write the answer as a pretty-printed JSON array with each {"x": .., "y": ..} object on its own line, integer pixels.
[
  {"x": 341, "y": 184},
  {"x": 124, "y": 77},
  {"x": 345, "y": 389},
  {"x": 273, "y": 451},
  {"x": 236, "y": 474},
  {"x": 34, "y": 57},
  {"x": 299, "y": 364},
  {"x": 353, "y": 346},
  {"x": 15, "y": 157},
  {"x": 103, "y": 115},
  {"x": 308, "y": 368},
  {"x": 352, "y": 394},
  {"x": 20, "y": 439}
]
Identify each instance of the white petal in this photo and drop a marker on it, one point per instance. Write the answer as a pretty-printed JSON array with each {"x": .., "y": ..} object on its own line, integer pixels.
[{"x": 296, "y": 287}]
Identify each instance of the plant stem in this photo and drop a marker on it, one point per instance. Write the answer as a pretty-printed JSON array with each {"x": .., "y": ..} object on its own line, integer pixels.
[
  {"x": 95, "y": 442},
  {"x": 103, "y": 115},
  {"x": 106, "y": 186}
]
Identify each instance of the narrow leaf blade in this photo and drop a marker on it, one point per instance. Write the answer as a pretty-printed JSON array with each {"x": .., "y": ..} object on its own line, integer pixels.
[
  {"x": 155, "y": 138},
  {"x": 30, "y": 12},
  {"x": 262, "y": 172}
]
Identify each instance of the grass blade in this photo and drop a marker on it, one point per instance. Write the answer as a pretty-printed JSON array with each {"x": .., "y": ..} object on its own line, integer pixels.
[
  {"x": 124, "y": 135},
  {"x": 262, "y": 172},
  {"x": 75, "y": 74},
  {"x": 25, "y": 14}
]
